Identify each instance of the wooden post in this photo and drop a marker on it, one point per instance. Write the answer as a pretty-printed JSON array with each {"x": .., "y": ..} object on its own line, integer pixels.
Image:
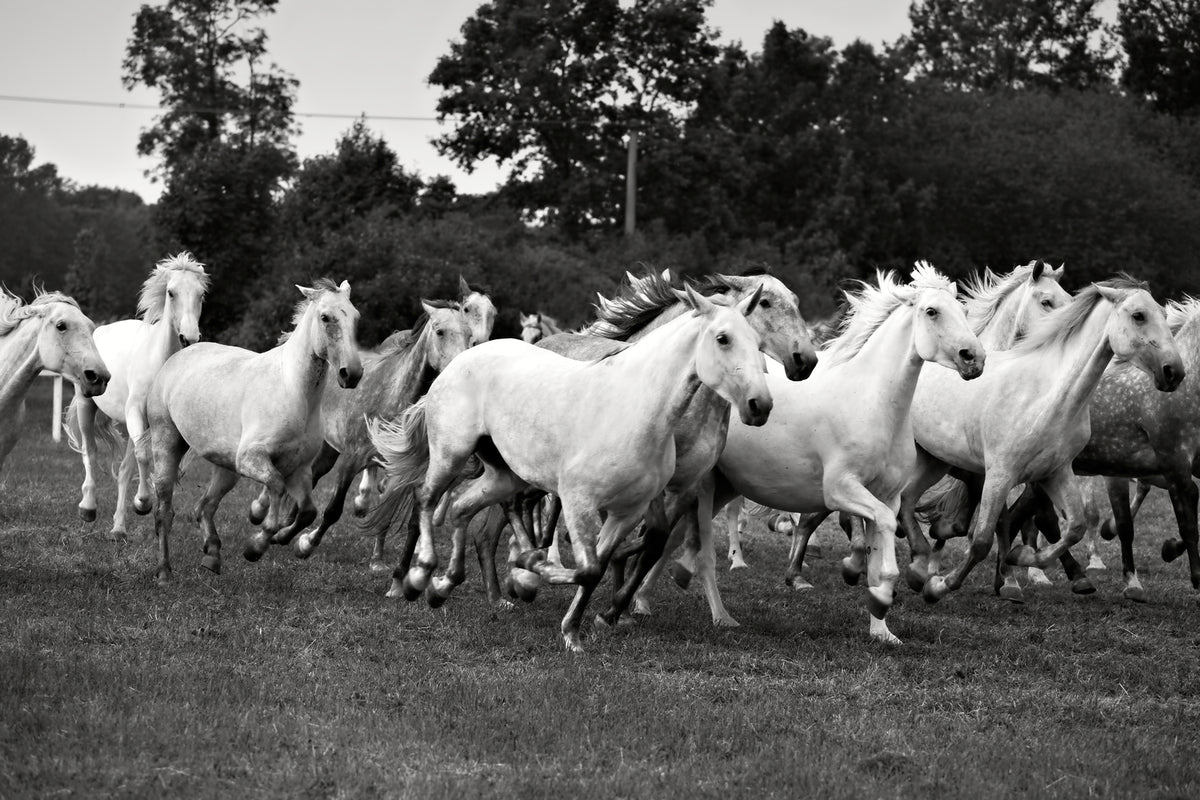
[
  {"x": 631, "y": 185},
  {"x": 56, "y": 423}
]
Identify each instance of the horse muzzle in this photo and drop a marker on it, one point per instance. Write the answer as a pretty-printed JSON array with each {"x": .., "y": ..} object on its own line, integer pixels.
[
  {"x": 348, "y": 377},
  {"x": 800, "y": 365},
  {"x": 755, "y": 411},
  {"x": 970, "y": 363},
  {"x": 1169, "y": 377},
  {"x": 94, "y": 382}
]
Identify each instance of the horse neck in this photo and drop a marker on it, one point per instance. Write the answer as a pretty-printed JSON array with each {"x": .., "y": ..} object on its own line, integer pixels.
[
  {"x": 1188, "y": 343},
  {"x": 1000, "y": 332},
  {"x": 165, "y": 342},
  {"x": 889, "y": 364},
  {"x": 409, "y": 372},
  {"x": 1081, "y": 362},
  {"x": 20, "y": 361},
  {"x": 300, "y": 364},
  {"x": 668, "y": 314},
  {"x": 665, "y": 365}
]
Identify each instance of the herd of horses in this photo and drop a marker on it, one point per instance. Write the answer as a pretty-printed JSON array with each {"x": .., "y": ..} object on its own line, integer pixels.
[{"x": 977, "y": 409}]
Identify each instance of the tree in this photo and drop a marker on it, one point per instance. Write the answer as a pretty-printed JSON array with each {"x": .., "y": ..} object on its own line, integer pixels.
[
  {"x": 992, "y": 44},
  {"x": 192, "y": 52},
  {"x": 1162, "y": 49},
  {"x": 553, "y": 87},
  {"x": 35, "y": 231}
]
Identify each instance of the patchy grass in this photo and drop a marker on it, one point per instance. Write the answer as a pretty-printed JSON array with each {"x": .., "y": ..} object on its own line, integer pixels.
[{"x": 291, "y": 678}]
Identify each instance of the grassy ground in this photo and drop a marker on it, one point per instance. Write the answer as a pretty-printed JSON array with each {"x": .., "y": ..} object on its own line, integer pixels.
[{"x": 290, "y": 678}]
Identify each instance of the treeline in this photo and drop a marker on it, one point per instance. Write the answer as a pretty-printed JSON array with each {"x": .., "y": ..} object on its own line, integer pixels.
[{"x": 991, "y": 135}]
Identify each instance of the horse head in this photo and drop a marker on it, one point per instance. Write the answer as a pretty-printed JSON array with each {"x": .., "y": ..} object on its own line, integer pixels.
[
  {"x": 65, "y": 343},
  {"x": 448, "y": 332},
  {"x": 531, "y": 327},
  {"x": 479, "y": 310},
  {"x": 941, "y": 333},
  {"x": 728, "y": 360},
  {"x": 785, "y": 334},
  {"x": 1137, "y": 332},
  {"x": 334, "y": 330}
]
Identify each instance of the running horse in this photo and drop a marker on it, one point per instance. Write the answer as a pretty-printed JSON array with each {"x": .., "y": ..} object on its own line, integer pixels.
[
  {"x": 134, "y": 349},
  {"x": 1029, "y": 417},
  {"x": 256, "y": 415},
  {"x": 50, "y": 333},
  {"x": 600, "y": 435}
]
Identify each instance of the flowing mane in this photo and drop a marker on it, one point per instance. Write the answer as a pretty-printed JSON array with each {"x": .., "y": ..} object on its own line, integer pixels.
[
  {"x": 13, "y": 310},
  {"x": 636, "y": 304},
  {"x": 870, "y": 306},
  {"x": 987, "y": 292},
  {"x": 153, "y": 295},
  {"x": 1181, "y": 312},
  {"x": 1059, "y": 326},
  {"x": 400, "y": 342}
]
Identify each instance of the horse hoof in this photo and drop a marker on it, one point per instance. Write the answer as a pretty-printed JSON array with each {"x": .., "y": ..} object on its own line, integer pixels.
[
  {"x": 887, "y": 637},
  {"x": 503, "y": 606},
  {"x": 934, "y": 589},
  {"x": 1172, "y": 549},
  {"x": 212, "y": 564},
  {"x": 916, "y": 578},
  {"x": 1135, "y": 594},
  {"x": 726, "y": 622},
  {"x": 850, "y": 573},
  {"x": 1012, "y": 594},
  {"x": 1038, "y": 578},
  {"x": 641, "y": 608},
  {"x": 1082, "y": 586},
  {"x": 407, "y": 589},
  {"x": 258, "y": 512},
  {"x": 1096, "y": 563},
  {"x": 87, "y": 514},
  {"x": 359, "y": 508},
  {"x": 879, "y": 601},
  {"x": 738, "y": 563},
  {"x": 797, "y": 584},
  {"x": 1108, "y": 531},
  {"x": 1021, "y": 556},
  {"x": 251, "y": 554},
  {"x": 163, "y": 575},
  {"x": 572, "y": 643},
  {"x": 434, "y": 598},
  {"x": 680, "y": 574},
  {"x": 142, "y": 507},
  {"x": 378, "y": 567},
  {"x": 304, "y": 546},
  {"x": 117, "y": 535},
  {"x": 525, "y": 584}
]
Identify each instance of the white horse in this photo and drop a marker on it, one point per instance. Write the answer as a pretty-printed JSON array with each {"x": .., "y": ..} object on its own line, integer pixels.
[
  {"x": 50, "y": 333},
  {"x": 538, "y": 326},
  {"x": 1029, "y": 417},
  {"x": 601, "y": 435},
  {"x": 842, "y": 439},
  {"x": 250, "y": 414},
  {"x": 134, "y": 349}
]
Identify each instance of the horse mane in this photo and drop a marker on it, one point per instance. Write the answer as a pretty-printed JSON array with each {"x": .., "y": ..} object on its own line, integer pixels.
[
  {"x": 400, "y": 342},
  {"x": 870, "y": 306},
  {"x": 14, "y": 310},
  {"x": 632, "y": 308},
  {"x": 1181, "y": 312},
  {"x": 153, "y": 294},
  {"x": 321, "y": 284},
  {"x": 987, "y": 291},
  {"x": 1060, "y": 325}
]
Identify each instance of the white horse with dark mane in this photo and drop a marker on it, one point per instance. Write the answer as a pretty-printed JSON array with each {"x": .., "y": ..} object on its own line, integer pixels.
[{"x": 134, "y": 350}]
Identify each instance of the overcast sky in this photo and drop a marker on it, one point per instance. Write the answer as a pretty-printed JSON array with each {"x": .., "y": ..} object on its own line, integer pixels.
[{"x": 352, "y": 56}]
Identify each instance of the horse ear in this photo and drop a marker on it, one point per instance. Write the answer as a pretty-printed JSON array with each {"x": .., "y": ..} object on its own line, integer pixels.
[
  {"x": 463, "y": 288},
  {"x": 666, "y": 274},
  {"x": 429, "y": 309},
  {"x": 345, "y": 288},
  {"x": 749, "y": 304},
  {"x": 1038, "y": 268},
  {"x": 1057, "y": 273},
  {"x": 1109, "y": 293},
  {"x": 311, "y": 294},
  {"x": 524, "y": 319},
  {"x": 697, "y": 302}
]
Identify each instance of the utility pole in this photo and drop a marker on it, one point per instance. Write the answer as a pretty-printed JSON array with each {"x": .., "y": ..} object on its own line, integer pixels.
[{"x": 631, "y": 184}]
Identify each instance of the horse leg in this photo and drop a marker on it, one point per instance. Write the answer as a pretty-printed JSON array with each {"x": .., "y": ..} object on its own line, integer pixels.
[
  {"x": 854, "y": 564},
  {"x": 996, "y": 485},
  {"x": 592, "y": 552},
  {"x": 124, "y": 476},
  {"x": 487, "y": 542},
  {"x": 343, "y": 478},
  {"x": 256, "y": 464},
  {"x": 168, "y": 449},
  {"x": 801, "y": 534},
  {"x": 139, "y": 434},
  {"x": 706, "y": 560},
  {"x": 368, "y": 485},
  {"x": 928, "y": 471},
  {"x": 847, "y": 494},
  {"x": 734, "y": 525},
  {"x": 85, "y": 413},
  {"x": 658, "y": 530},
  {"x": 1184, "y": 496},
  {"x": 550, "y": 529},
  {"x": 654, "y": 566},
  {"x": 1122, "y": 527},
  {"x": 219, "y": 484},
  {"x": 1005, "y": 584},
  {"x": 1045, "y": 518}
]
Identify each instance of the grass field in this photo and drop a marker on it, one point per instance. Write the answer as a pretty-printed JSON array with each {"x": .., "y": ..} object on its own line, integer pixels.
[{"x": 299, "y": 679}]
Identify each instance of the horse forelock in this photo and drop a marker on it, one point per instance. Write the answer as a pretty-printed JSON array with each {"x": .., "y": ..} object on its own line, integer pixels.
[
  {"x": 322, "y": 285},
  {"x": 153, "y": 294},
  {"x": 14, "y": 310}
]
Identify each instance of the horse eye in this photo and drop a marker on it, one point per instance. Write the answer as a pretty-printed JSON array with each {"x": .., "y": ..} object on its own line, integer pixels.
[
  {"x": 765, "y": 303},
  {"x": 932, "y": 312},
  {"x": 722, "y": 339},
  {"x": 439, "y": 332},
  {"x": 1139, "y": 316},
  {"x": 325, "y": 318},
  {"x": 170, "y": 294},
  {"x": 1047, "y": 304},
  {"x": 62, "y": 326}
]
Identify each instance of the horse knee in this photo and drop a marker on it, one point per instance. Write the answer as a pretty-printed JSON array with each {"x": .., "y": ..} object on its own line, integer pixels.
[{"x": 980, "y": 547}]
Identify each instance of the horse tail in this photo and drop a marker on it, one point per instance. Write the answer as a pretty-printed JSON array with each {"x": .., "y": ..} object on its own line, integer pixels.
[
  {"x": 104, "y": 427},
  {"x": 403, "y": 448},
  {"x": 942, "y": 501}
]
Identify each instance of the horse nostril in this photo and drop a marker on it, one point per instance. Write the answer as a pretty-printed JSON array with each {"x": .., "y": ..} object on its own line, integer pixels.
[
  {"x": 343, "y": 374},
  {"x": 89, "y": 375},
  {"x": 1168, "y": 374},
  {"x": 753, "y": 404},
  {"x": 183, "y": 342},
  {"x": 966, "y": 355}
]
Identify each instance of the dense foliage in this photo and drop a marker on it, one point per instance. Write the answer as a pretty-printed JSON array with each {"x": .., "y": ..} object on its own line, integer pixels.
[{"x": 992, "y": 134}]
